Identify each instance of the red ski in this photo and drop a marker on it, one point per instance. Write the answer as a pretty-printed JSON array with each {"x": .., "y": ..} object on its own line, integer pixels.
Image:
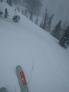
[{"x": 21, "y": 79}]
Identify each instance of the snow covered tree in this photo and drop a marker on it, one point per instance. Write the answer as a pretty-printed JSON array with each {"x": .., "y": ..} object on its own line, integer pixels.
[
  {"x": 1, "y": 13},
  {"x": 1, "y": 0},
  {"x": 9, "y": 2},
  {"x": 36, "y": 21},
  {"x": 64, "y": 41},
  {"x": 6, "y": 13},
  {"x": 33, "y": 7},
  {"x": 44, "y": 20},
  {"x": 57, "y": 29},
  {"x": 50, "y": 22},
  {"x": 16, "y": 18},
  {"x": 17, "y": 2}
]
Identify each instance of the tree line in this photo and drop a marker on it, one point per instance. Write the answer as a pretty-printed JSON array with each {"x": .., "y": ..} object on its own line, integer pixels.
[{"x": 33, "y": 8}]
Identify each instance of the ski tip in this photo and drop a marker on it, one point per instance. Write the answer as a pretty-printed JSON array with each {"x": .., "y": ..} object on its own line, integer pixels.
[
  {"x": 18, "y": 67},
  {"x": 21, "y": 75}
]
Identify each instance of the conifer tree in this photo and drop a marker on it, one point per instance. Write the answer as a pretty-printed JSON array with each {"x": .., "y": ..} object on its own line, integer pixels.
[{"x": 65, "y": 38}]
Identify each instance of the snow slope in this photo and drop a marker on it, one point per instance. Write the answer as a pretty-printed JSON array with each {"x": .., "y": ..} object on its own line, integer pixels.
[{"x": 45, "y": 63}]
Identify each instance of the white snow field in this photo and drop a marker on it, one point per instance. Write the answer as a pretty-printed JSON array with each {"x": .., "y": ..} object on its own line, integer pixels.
[{"x": 45, "y": 63}]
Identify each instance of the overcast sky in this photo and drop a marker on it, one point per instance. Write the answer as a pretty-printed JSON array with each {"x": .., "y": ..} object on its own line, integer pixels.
[{"x": 59, "y": 7}]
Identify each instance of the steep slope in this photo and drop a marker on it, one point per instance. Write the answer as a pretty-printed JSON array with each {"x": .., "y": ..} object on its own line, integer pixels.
[{"x": 45, "y": 63}]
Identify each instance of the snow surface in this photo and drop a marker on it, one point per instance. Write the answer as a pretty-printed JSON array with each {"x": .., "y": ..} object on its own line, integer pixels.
[{"x": 44, "y": 62}]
